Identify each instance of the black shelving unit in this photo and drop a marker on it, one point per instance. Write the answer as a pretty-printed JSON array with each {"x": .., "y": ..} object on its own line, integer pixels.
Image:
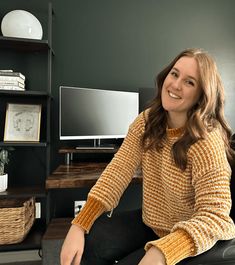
[{"x": 30, "y": 161}]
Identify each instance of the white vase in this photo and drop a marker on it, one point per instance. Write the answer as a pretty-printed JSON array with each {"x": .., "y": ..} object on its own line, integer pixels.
[
  {"x": 3, "y": 182},
  {"x": 21, "y": 24}
]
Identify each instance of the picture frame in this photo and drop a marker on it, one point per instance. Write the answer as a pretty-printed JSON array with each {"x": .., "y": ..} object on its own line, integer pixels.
[{"x": 22, "y": 123}]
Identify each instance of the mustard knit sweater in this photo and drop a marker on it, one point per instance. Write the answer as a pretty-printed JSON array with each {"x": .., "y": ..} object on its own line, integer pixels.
[{"x": 188, "y": 210}]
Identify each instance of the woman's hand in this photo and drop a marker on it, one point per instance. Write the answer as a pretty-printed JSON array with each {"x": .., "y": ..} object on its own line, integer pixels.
[
  {"x": 153, "y": 257},
  {"x": 73, "y": 246}
]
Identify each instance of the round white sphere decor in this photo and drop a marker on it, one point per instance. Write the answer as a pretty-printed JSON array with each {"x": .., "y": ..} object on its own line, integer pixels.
[{"x": 21, "y": 24}]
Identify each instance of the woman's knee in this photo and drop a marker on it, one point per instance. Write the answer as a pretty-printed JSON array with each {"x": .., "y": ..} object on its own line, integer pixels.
[{"x": 117, "y": 236}]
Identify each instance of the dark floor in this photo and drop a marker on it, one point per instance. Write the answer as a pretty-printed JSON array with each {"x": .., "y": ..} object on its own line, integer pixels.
[{"x": 23, "y": 263}]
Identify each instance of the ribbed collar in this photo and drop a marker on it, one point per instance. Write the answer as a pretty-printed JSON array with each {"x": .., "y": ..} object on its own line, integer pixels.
[{"x": 175, "y": 132}]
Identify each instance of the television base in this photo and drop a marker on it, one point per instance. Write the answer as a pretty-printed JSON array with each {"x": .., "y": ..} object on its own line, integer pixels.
[
  {"x": 96, "y": 146},
  {"x": 69, "y": 151},
  {"x": 109, "y": 147}
]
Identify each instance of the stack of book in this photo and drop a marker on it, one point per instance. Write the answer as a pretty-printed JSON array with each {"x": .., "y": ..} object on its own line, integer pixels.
[{"x": 10, "y": 80}]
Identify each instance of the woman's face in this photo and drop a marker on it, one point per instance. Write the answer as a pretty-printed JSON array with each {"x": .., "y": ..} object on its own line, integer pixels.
[{"x": 181, "y": 90}]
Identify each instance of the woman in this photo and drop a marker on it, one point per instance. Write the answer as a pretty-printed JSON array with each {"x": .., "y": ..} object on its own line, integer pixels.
[{"x": 182, "y": 143}]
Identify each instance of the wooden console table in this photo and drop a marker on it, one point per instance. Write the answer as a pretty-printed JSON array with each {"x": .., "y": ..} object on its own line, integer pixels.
[{"x": 77, "y": 175}]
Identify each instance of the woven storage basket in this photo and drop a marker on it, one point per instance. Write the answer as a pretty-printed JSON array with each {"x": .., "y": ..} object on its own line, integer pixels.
[{"x": 16, "y": 218}]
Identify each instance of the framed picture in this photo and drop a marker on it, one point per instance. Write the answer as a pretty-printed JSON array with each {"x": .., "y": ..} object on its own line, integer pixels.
[{"x": 22, "y": 123}]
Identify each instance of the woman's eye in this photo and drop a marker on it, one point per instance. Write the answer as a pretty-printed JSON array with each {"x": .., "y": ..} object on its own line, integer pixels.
[
  {"x": 191, "y": 83},
  {"x": 173, "y": 73}
]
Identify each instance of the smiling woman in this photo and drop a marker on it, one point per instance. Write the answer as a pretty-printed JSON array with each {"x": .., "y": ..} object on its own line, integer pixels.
[{"x": 182, "y": 142}]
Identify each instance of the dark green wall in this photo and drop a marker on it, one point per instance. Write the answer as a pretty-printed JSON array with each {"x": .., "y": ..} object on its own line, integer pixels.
[{"x": 123, "y": 44}]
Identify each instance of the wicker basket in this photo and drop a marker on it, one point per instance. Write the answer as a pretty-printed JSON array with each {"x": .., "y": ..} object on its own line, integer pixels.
[{"x": 16, "y": 218}]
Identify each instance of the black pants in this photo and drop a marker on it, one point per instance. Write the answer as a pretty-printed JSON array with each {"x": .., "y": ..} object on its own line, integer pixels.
[
  {"x": 120, "y": 238},
  {"x": 123, "y": 236}
]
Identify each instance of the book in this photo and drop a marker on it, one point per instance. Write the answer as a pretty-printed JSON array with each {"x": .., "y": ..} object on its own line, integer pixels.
[
  {"x": 11, "y": 83},
  {"x": 2, "y": 87},
  {"x": 11, "y": 78},
  {"x": 12, "y": 74},
  {"x": 6, "y": 70}
]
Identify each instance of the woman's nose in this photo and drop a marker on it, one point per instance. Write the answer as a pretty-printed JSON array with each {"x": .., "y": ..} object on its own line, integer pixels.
[{"x": 177, "y": 84}]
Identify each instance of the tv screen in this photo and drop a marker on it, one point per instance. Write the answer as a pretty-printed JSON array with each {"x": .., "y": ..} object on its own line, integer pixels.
[{"x": 86, "y": 113}]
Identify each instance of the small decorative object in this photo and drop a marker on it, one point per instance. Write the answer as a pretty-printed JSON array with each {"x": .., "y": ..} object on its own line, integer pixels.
[
  {"x": 22, "y": 123},
  {"x": 4, "y": 159},
  {"x": 21, "y": 24}
]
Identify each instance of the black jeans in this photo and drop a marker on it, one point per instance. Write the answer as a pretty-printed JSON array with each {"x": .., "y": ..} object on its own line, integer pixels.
[
  {"x": 123, "y": 236},
  {"x": 120, "y": 238}
]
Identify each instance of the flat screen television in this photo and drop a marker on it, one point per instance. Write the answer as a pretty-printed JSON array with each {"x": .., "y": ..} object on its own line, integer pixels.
[{"x": 86, "y": 113}]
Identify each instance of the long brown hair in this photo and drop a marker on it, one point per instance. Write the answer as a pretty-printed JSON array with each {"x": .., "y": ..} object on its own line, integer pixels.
[{"x": 207, "y": 114}]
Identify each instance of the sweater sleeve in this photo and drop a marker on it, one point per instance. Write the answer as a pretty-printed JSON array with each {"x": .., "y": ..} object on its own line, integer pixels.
[
  {"x": 176, "y": 246},
  {"x": 106, "y": 193},
  {"x": 89, "y": 213}
]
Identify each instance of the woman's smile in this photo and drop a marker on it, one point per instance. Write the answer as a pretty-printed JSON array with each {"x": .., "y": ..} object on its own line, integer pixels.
[{"x": 172, "y": 95}]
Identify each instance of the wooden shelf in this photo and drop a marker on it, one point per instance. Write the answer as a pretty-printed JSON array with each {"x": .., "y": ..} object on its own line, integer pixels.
[
  {"x": 57, "y": 228},
  {"x": 75, "y": 175},
  {"x": 19, "y": 192},
  {"x": 32, "y": 240},
  {"x": 79, "y": 175}
]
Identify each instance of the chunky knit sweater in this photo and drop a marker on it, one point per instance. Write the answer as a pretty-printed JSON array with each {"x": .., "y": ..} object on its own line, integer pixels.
[{"x": 188, "y": 210}]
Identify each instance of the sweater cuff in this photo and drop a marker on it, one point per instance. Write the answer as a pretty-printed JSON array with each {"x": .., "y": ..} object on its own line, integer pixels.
[
  {"x": 176, "y": 246},
  {"x": 88, "y": 214}
]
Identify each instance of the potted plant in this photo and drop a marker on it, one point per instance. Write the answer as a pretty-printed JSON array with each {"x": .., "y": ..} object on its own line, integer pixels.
[{"x": 4, "y": 159}]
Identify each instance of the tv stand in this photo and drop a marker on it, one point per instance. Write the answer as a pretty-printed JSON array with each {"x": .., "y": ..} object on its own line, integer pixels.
[
  {"x": 69, "y": 151},
  {"x": 95, "y": 147}
]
